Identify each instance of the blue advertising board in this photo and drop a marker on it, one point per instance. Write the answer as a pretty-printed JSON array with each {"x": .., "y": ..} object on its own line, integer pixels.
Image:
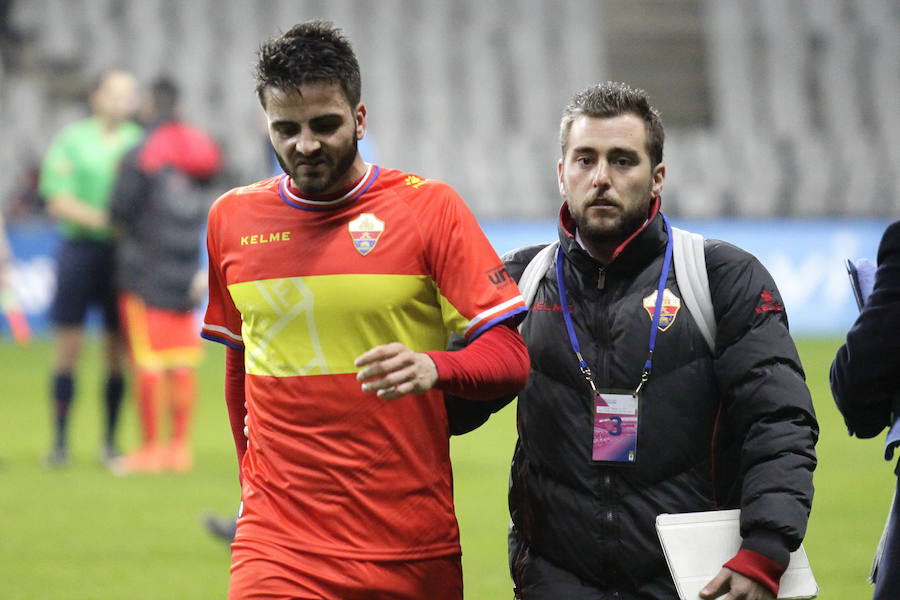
[
  {"x": 805, "y": 258},
  {"x": 33, "y": 276}
]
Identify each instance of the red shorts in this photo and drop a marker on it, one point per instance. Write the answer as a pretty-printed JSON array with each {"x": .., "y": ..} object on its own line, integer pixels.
[
  {"x": 159, "y": 339},
  {"x": 260, "y": 571}
]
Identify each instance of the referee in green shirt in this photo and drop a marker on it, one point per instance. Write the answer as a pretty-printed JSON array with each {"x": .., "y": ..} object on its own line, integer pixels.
[{"x": 76, "y": 180}]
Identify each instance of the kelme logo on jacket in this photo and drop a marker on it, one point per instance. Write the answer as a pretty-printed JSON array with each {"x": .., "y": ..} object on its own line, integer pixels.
[
  {"x": 365, "y": 231},
  {"x": 768, "y": 303},
  {"x": 670, "y": 305}
]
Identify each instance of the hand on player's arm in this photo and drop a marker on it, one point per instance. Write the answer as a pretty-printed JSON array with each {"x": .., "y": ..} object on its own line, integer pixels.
[
  {"x": 393, "y": 370},
  {"x": 737, "y": 587}
]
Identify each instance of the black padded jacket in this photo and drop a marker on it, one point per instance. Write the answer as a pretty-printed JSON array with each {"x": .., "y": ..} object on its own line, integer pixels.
[
  {"x": 159, "y": 205},
  {"x": 733, "y": 428}
]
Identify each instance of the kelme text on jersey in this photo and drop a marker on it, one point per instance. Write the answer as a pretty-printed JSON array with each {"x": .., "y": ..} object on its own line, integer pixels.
[{"x": 265, "y": 238}]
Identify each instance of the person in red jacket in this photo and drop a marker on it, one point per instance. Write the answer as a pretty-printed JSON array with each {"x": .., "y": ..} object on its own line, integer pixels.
[{"x": 159, "y": 207}]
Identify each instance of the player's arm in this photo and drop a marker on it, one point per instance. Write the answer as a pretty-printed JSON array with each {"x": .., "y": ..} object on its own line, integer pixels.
[
  {"x": 463, "y": 414},
  {"x": 493, "y": 364},
  {"x": 222, "y": 324},
  {"x": 236, "y": 400}
]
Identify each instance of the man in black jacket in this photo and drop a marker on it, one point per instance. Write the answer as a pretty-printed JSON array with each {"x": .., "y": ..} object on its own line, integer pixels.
[
  {"x": 159, "y": 206},
  {"x": 629, "y": 412},
  {"x": 865, "y": 382}
]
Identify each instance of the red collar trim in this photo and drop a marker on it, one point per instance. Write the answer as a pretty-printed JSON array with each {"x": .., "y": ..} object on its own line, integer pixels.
[
  {"x": 568, "y": 224},
  {"x": 653, "y": 210}
]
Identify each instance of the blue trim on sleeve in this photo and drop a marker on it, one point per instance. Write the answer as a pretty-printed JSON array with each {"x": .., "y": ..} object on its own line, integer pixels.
[
  {"x": 498, "y": 319},
  {"x": 222, "y": 340}
]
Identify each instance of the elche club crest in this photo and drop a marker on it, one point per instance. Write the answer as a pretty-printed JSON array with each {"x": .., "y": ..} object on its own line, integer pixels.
[
  {"x": 669, "y": 309},
  {"x": 365, "y": 231}
]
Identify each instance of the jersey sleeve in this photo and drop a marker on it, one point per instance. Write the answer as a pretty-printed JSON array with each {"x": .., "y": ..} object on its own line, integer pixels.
[
  {"x": 476, "y": 291},
  {"x": 222, "y": 322}
]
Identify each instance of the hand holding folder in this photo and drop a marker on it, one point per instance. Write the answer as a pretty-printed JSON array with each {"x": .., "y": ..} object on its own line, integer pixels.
[{"x": 696, "y": 545}]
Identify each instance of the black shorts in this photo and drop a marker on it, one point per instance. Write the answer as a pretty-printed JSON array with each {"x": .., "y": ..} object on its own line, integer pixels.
[{"x": 85, "y": 278}]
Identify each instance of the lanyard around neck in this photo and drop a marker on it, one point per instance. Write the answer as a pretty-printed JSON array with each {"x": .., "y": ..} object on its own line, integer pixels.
[{"x": 654, "y": 324}]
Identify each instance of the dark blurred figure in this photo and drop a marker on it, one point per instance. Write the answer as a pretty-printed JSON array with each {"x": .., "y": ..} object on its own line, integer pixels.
[
  {"x": 76, "y": 180},
  {"x": 865, "y": 382},
  {"x": 159, "y": 208},
  {"x": 26, "y": 203},
  {"x": 11, "y": 38}
]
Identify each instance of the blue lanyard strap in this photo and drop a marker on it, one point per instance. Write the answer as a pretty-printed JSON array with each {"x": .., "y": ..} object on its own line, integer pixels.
[{"x": 654, "y": 326}]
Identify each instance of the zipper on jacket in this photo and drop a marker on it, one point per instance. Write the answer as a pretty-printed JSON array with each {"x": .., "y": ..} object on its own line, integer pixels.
[{"x": 601, "y": 278}]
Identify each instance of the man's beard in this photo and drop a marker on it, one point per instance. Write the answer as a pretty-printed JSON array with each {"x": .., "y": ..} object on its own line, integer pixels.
[
  {"x": 614, "y": 232},
  {"x": 341, "y": 166}
]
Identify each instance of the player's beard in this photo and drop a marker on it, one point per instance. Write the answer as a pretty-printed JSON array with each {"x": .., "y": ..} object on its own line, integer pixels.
[{"x": 336, "y": 166}]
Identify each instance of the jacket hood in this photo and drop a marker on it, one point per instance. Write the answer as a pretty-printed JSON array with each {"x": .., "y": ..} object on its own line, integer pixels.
[{"x": 182, "y": 147}]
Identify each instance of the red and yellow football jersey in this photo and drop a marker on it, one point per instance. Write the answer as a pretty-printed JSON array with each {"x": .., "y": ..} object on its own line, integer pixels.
[{"x": 304, "y": 288}]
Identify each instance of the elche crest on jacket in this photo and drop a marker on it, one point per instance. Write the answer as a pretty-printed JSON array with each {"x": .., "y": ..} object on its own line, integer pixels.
[{"x": 668, "y": 310}]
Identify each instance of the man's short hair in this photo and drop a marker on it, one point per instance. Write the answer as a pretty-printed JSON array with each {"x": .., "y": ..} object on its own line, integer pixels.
[
  {"x": 310, "y": 52},
  {"x": 612, "y": 99},
  {"x": 96, "y": 80}
]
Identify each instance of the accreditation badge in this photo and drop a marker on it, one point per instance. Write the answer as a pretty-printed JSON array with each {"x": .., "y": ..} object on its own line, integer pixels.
[{"x": 615, "y": 426}]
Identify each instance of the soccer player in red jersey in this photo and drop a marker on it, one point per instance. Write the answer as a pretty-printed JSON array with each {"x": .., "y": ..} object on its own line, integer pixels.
[{"x": 335, "y": 288}]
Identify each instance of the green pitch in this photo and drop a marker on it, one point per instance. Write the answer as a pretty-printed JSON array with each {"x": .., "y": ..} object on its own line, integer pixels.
[{"x": 82, "y": 533}]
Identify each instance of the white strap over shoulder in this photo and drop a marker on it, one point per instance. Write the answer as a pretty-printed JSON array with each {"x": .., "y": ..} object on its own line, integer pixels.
[
  {"x": 693, "y": 281},
  {"x": 690, "y": 271},
  {"x": 535, "y": 270}
]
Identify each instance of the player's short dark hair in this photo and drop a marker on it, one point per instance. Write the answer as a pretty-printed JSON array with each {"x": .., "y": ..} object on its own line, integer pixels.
[
  {"x": 612, "y": 99},
  {"x": 311, "y": 52}
]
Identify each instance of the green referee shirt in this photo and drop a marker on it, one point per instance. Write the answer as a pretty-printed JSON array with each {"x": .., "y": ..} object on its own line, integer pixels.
[{"x": 82, "y": 162}]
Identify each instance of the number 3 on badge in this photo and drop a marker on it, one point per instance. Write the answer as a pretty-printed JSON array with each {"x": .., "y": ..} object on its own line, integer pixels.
[{"x": 615, "y": 427}]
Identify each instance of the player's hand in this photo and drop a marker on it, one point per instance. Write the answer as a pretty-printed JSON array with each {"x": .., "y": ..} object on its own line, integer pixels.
[
  {"x": 736, "y": 586},
  {"x": 393, "y": 370}
]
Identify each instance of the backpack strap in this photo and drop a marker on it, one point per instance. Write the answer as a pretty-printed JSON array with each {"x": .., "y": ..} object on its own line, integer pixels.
[
  {"x": 535, "y": 270},
  {"x": 690, "y": 270}
]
